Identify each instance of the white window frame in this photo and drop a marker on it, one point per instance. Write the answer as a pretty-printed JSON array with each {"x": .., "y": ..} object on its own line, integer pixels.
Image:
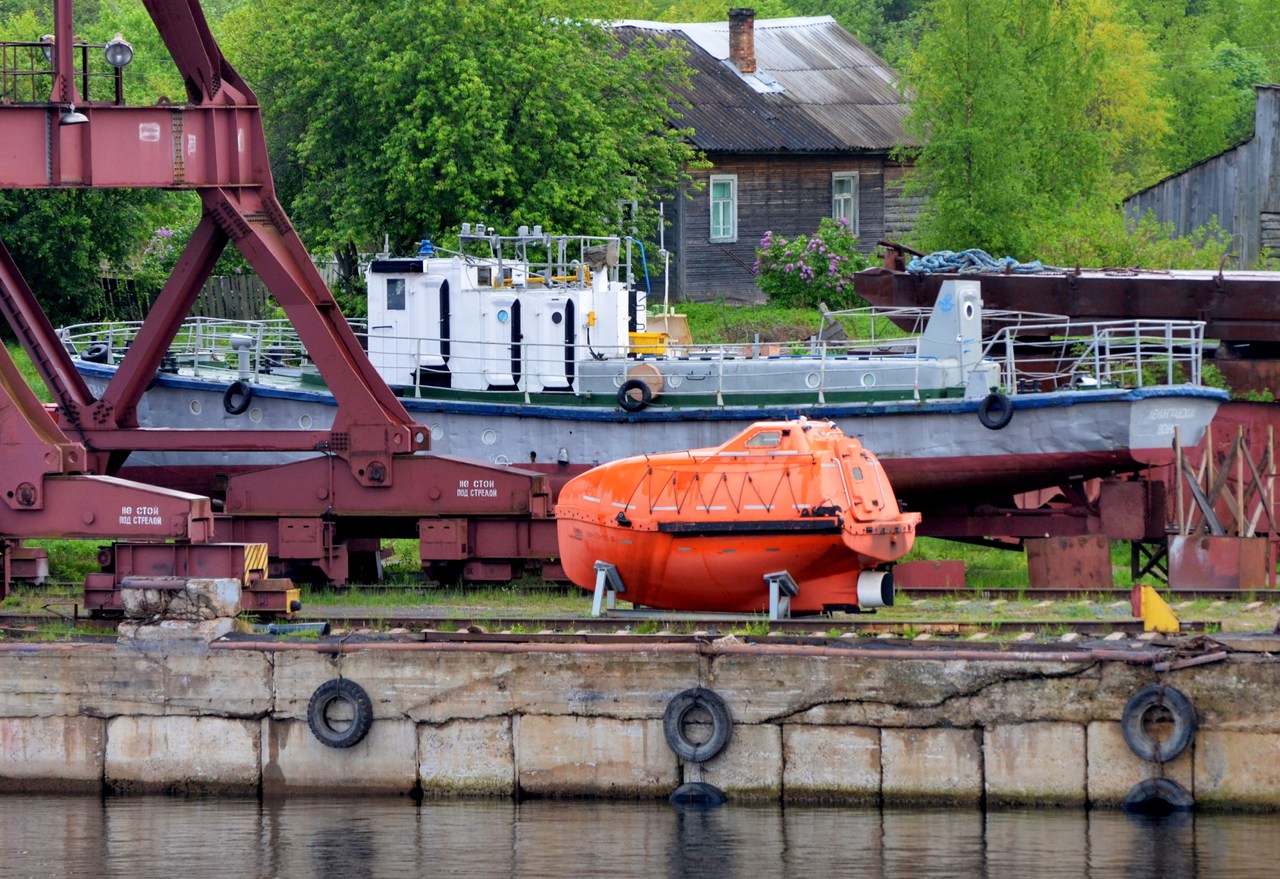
[
  {"x": 720, "y": 233},
  {"x": 851, "y": 197}
]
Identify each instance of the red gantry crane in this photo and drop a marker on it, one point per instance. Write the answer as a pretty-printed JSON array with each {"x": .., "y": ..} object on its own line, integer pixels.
[{"x": 366, "y": 478}]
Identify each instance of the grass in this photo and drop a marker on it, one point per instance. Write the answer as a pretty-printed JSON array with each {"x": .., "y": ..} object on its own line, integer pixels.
[
  {"x": 719, "y": 323},
  {"x": 28, "y": 370}
]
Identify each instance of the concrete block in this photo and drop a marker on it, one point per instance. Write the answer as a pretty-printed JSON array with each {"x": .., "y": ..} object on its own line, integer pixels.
[
  {"x": 593, "y": 756},
  {"x": 111, "y": 681},
  {"x": 1237, "y": 769},
  {"x": 936, "y": 765},
  {"x": 51, "y": 753},
  {"x": 1035, "y": 763},
  {"x": 750, "y": 766},
  {"x": 182, "y": 755},
  {"x": 198, "y": 599},
  {"x": 438, "y": 685},
  {"x": 169, "y": 634},
  {"x": 831, "y": 763},
  {"x": 1113, "y": 769},
  {"x": 467, "y": 757},
  {"x": 294, "y": 761}
]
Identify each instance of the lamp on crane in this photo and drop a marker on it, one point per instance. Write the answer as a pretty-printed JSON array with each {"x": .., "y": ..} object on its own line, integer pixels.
[{"x": 119, "y": 52}]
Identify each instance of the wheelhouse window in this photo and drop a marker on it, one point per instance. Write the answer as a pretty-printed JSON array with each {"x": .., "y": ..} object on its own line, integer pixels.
[
  {"x": 844, "y": 198},
  {"x": 395, "y": 294},
  {"x": 724, "y": 207}
]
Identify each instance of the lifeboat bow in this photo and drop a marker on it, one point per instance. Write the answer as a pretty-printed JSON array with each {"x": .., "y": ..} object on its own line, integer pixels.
[{"x": 700, "y": 530}]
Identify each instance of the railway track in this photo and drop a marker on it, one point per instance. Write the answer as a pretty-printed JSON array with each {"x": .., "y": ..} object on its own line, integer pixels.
[{"x": 971, "y": 615}]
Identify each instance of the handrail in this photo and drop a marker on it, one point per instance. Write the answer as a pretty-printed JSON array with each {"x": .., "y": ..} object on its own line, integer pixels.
[{"x": 1033, "y": 352}]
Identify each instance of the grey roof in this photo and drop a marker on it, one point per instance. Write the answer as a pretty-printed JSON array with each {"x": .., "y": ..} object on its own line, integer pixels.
[{"x": 816, "y": 89}]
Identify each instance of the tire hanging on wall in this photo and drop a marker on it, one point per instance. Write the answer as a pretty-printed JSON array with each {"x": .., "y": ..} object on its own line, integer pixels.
[
  {"x": 346, "y": 733},
  {"x": 1146, "y": 700},
  {"x": 995, "y": 411},
  {"x": 236, "y": 398},
  {"x": 1158, "y": 796},
  {"x": 630, "y": 403},
  {"x": 678, "y": 710}
]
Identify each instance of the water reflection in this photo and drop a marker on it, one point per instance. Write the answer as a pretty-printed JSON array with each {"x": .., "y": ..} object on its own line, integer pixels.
[{"x": 351, "y": 838}]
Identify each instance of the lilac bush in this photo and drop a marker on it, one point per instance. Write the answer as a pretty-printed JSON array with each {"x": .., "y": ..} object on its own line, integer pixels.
[{"x": 808, "y": 269}]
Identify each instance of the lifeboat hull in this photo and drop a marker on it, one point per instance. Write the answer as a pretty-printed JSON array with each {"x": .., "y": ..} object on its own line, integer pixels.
[{"x": 699, "y": 530}]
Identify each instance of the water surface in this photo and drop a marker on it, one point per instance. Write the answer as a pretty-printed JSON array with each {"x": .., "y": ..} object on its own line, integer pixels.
[{"x": 299, "y": 838}]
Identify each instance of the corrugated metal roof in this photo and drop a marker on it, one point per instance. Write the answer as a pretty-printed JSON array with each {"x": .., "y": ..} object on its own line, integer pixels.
[{"x": 817, "y": 89}]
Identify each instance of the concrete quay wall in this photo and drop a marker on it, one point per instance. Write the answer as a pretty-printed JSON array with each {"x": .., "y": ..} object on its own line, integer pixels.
[{"x": 809, "y": 724}]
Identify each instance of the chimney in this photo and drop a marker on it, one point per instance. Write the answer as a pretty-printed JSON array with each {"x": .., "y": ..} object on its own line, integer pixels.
[{"x": 742, "y": 39}]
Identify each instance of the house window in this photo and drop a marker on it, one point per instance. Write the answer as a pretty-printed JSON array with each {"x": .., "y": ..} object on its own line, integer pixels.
[
  {"x": 724, "y": 207},
  {"x": 395, "y": 294},
  {"x": 844, "y": 197}
]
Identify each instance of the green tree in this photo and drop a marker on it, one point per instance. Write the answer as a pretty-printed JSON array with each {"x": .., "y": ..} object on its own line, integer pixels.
[
  {"x": 408, "y": 118},
  {"x": 1026, "y": 113}
]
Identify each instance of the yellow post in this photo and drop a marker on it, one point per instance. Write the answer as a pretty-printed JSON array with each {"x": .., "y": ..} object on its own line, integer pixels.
[{"x": 1156, "y": 615}]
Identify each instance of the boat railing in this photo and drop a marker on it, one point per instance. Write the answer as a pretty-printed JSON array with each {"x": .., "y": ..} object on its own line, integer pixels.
[
  {"x": 1034, "y": 353},
  {"x": 202, "y": 347},
  {"x": 1037, "y": 356}
]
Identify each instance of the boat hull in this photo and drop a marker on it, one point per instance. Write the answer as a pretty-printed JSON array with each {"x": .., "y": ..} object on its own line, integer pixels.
[{"x": 936, "y": 453}]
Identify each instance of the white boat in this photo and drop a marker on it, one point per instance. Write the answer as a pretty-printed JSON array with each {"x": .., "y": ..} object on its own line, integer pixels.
[{"x": 536, "y": 350}]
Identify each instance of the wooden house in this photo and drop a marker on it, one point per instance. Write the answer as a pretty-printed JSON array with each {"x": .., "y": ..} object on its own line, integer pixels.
[
  {"x": 798, "y": 119},
  {"x": 1239, "y": 186}
]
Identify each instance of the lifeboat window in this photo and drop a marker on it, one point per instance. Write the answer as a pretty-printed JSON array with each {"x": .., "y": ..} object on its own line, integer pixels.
[
  {"x": 765, "y": 439},
  {"x": 856, "y": 472},
  {"x": 395, "y": 294}
]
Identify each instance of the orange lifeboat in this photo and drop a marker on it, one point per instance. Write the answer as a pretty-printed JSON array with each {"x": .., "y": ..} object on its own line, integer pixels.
[{"x": 700, "y": 530}]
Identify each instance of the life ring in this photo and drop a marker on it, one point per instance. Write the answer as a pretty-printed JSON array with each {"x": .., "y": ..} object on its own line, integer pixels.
[
  {"x": 1146, "y": 700},
  {"x": 678, "y": 710},
  {"x": 630, "y": 403},
  {"x": 98, "y": 352},
  {"x": 236, "y": 399},
  {"x": 345, "y": 731},
  {"x": 1158, "y": 796},
  {"x": 995, "y": 411}
]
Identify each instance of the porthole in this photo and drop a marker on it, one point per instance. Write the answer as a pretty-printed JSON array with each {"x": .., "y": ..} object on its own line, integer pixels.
[
  {"x": 489, "y": 437},
  {"x": 968, "y": 311},
  {"x": 305, "y": 422},
  {"x": 812, "y": 380},
  {"x": 675, "y": 381},
  {"x": 255, "y": 415},
  {"x": 868, "y": 379},
  {"x": 437, "y": 431},
  {"x": 195, "y": 407}
]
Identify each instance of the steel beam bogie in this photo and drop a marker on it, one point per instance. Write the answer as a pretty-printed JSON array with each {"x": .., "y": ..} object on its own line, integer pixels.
[
  {"x": 90, "y": 507},
  {"x": 170, "y": 565}
]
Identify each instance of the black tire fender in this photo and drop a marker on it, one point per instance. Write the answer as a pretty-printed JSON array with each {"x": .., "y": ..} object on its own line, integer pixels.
[
  {"x": 673, "y": 720},
  {"x": 236, "y": 398},
  {"x": 1140, "y": 704},
  {"x": 98, "y": 352},
  {"x": 346, "y": 733},
  {"x": 630, "y": 403},
  {"x": 1158, "y": 796},
  {"x": 995, "y": 411}
]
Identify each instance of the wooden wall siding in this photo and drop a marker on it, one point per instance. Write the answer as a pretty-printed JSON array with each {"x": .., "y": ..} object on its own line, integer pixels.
[
  {"x": 901, "y": 212},
  {"x": 787, "y": 195},
  {"x": 233, "y": 297},
  {"x": 1237, "y": 186},
  {"x": 1270, "y": 236}
]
